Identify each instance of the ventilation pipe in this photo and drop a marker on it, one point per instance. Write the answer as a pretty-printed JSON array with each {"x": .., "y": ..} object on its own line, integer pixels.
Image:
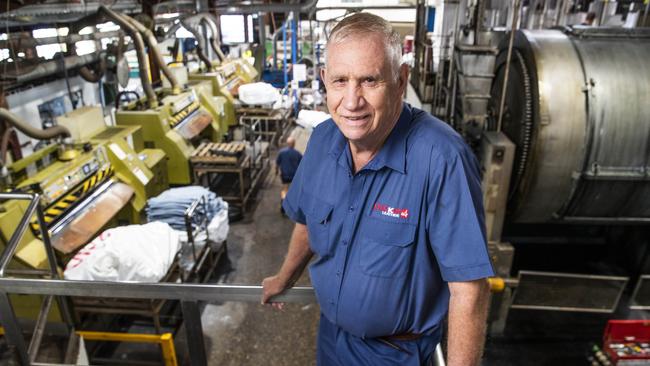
[
  {"x": 139, "y": 48},
  {"x": 157, "y": 57}
]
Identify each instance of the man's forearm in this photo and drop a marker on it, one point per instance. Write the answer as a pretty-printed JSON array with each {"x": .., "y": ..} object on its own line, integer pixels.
[
  {"x": 468, "y": 307},
  {"x": 298, "y": 255}
]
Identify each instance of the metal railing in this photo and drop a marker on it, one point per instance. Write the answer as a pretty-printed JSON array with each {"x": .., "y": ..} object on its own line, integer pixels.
[{"x": 188, "y": 294}]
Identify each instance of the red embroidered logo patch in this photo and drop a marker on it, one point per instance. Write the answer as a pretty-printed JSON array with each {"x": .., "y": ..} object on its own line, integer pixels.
[{"x": 400, "y": 213}]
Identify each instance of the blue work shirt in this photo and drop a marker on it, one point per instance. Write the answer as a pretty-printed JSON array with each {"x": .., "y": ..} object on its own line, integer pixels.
[
  {"x": 388, "y": 238},
  {"x": 288, "y": 160}
]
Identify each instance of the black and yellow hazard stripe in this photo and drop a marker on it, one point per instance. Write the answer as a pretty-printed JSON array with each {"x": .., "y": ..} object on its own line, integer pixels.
[
  {"x": 180, "y": 116},
  {"x": 61, "y": 206}
]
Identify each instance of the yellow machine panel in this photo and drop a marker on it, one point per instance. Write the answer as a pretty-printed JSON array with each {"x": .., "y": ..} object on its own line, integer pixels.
[{"x": 173, "y": 127}]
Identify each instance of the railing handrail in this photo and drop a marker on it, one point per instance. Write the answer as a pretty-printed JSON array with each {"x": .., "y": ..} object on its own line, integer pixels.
[{"x": 139, "y": 290}]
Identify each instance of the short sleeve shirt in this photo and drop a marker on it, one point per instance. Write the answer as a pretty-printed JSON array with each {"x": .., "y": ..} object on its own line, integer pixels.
[
  {"x": 288, "y": 160},
  {"x": 388, "y": 238}
]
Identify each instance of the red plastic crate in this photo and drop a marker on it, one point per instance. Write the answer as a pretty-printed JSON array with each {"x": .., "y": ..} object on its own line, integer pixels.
[{"x": 634, "y": 335}]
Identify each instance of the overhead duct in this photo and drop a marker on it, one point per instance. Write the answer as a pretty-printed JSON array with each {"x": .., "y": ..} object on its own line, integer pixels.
[
  {"x": 157, "y": 57},
  {"x": 30, "y": 131},
  {"x": 139, "y": 48},
  {"x": 48, "y": 68},
  {"x": 212, "y": 24},
  {"x": 192, "y": 23}
]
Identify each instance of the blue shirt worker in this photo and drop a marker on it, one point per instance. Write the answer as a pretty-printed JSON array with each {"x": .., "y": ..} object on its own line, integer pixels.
[
  {"x": 387, "y": 202},
  {"x": 286, "y": 165}
]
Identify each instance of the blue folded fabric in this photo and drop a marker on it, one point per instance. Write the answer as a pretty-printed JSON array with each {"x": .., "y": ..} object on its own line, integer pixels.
[{"x": 170, "y": 206}]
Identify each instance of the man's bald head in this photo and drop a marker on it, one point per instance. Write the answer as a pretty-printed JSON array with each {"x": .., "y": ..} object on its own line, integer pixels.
[{"x": 291, "y": 142}]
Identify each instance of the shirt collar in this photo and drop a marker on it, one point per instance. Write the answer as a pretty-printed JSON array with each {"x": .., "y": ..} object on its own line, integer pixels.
[{"x": 392, "y": 154}]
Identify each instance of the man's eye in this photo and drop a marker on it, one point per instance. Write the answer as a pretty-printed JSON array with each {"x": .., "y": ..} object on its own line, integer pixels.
[
  {"x": 338, "y": 81},
  {"x": 369, "y": 81}
]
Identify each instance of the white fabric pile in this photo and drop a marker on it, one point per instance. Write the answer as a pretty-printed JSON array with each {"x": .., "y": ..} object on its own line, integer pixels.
[
  {"x": 138, "y": 253},
  {"x": 310, "y": 119},
  {"x": 258, "y": 93}
]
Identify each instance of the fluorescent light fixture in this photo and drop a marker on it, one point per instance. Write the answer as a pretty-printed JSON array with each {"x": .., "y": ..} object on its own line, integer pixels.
[
  {"x": 169, "y": 15},
  {"x": 182, "y": 32},
  {"x": 87, "y": 30},
  {"x": 44, "y": 32},
  {"x": 85, "y": 47},
  {"x": 107, "y": 27}
]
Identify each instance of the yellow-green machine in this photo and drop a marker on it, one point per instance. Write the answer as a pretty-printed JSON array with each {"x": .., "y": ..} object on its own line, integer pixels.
[
  {"x": 225, "y": 80},
  {"x": 223, "y": 85},
  {"x": 222, "y": 114},
  {"x": 245, "y": 70},
  {"x": 175, "y": 126},
  {"x": 143, "y": 169},
  {"x": 84, "y": 187}
]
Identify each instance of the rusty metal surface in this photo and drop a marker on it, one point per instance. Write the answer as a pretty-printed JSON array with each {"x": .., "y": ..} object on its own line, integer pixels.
[
  {"x": 89, "y": 221},
  {"x": 195, "y": 125}
]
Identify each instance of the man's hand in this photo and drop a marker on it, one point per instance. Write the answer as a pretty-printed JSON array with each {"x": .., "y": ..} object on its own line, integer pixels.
[
  {"x": 297, "y": 258},
  {"x": 273, "y": 286}
]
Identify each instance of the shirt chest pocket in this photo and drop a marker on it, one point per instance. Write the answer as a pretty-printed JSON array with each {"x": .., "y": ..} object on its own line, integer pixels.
[
  {"x": 386, "y": 248},
  {"x": 318, "y": 214}
]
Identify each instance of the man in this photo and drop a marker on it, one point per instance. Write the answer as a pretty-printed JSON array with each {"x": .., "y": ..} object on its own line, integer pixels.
[
  {"x": 286, "y": 165},
  {"x": 388, "y": 198}
]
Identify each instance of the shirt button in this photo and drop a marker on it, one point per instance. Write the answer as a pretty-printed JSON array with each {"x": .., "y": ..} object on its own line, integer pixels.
[
  {"x": 338, "y": 273},
  {"x": 351, "y": 208},
  {"x": 345, "y": 242}
]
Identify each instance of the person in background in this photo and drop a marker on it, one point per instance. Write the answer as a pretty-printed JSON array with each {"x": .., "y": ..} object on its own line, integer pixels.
[
  {"x": 286, "y": 166},
  {"x": 589, "y": 19},
  {"x": 388, "y": 200}
]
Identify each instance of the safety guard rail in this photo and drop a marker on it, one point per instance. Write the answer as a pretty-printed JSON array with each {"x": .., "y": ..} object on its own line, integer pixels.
[{"x": 188, "y": 294}]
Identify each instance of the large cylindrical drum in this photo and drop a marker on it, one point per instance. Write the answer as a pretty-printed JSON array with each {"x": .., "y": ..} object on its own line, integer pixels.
[{"x": 578, "y": 109}]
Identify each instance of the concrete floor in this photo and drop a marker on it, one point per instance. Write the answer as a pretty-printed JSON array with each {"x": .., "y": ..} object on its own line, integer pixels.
[{"x": 240, "y": 333}]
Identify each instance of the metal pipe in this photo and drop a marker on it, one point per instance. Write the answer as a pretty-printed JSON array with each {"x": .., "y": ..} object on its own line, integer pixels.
[
  {"x": 30, "y": 131},
  {"x": 12, "y": 245},
  {"x": 93, "y": 76},
  {"x": 214, "y": 29},
  {"x": 140, "y": 290},
  {"x": 559, "y": 7},
  {"x": 49, "y": 68},
  {"x": 504, "y": 89},
  {"x": 542, "y": 22},
  {"x": 39, "y": 328},
  {"x": 13, "y": 334},
  {"x": 139, "y": 48},
  {"x": 151, "y": 41},
  {"x": 439, "y": 356},
  {"x": 645, "y": 13},
  {"x": 27, "y": 272},
  {"x": 194, "y": 331},
  {"x": 191, "y": 24},
  {"x": 64, "y": 307},
  {"x": 70, "y": 38},
  {"x": 265, "y": 8}
]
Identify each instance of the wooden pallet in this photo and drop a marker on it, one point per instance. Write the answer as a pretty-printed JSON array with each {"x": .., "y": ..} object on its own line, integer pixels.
[{"x": 218, "y": 153}]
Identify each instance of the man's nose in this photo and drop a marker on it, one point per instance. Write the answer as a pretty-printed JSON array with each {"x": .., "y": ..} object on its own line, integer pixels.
[{"x": 353, "y": 97}]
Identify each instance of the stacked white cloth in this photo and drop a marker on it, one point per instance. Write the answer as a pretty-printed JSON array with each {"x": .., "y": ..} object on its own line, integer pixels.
[
  {"x": 170, "y": 206},
  {"x": 310, "y": 119},
  {"x": 139, "y": 253}
]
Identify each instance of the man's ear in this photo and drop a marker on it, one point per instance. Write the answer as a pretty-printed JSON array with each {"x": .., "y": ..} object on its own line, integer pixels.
[
  {"x": 322, "y": 74},
  {"x": 403, "y": 77}
]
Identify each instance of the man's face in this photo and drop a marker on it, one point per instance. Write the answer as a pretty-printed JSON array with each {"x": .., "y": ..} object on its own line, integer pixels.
[{"x": 363, "y": 96}]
